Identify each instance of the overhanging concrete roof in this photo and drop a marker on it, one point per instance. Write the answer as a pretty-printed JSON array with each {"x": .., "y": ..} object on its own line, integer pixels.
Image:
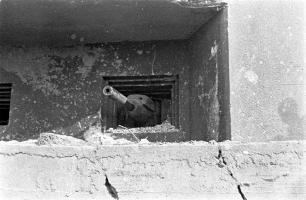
[{"x": 68, "y": 22}]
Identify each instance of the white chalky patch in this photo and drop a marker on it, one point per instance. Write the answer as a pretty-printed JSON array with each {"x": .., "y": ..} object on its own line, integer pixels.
[{"x": 251, "y": 76}]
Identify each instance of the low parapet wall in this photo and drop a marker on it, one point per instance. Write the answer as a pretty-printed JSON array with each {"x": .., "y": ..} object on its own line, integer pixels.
[{"x": 197, "y": 170}]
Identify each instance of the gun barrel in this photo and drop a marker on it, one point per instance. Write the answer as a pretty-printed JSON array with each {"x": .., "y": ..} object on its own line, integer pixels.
[{"x": 117, "y": 96}]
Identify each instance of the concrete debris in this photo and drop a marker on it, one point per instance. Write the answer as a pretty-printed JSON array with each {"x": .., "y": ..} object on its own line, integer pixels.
[
  {"x": 108, "y": 140},
  {"x": 164, "y": 132},
  {"x": 56, "y": 139},
  {"x": 144, "y": 141},
  {"x": 123, "y": 135},
  {"x": 132, "y": 134},
  {"x": 213, "y": 142},
  {"x": 88, "y": 132},
  {"x": 94, "y": 136},
  {"x": 160, "y": 128}
]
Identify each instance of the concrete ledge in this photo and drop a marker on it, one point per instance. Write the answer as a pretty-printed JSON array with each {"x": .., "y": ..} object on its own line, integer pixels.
[{"x": 196, "y": 170}]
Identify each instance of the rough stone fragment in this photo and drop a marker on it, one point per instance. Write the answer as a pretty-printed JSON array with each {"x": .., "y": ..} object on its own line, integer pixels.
[
  {"x": 56, "y": 139},
  {"x": 94, "y": 136},
  {"x": 164, "y": 132}
]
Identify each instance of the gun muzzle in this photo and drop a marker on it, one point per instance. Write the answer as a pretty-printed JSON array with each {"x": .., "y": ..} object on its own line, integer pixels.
[{"x": 117, "y": 96}]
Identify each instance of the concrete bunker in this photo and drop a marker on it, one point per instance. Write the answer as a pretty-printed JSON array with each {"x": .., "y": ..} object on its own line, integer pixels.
[
  {"x": 175, "y": 52},
  {"x": 66, "y": 54}
]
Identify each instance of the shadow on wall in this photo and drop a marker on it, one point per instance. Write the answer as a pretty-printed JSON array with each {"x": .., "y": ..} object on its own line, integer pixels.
[{"x": 288, "y": 112}]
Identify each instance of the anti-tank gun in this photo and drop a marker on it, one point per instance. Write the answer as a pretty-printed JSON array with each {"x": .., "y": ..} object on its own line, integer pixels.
[{"x": 135, "y": 110}]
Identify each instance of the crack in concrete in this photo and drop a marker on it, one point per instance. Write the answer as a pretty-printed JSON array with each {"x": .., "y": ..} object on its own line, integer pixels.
[
  {"x": 111, "y": 189},
  {"x": 241, "y": 193},
  {"x": 222, "y": 163}
]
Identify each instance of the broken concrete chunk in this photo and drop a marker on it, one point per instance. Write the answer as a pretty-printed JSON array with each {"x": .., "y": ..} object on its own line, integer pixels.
[
  {"x": 56, "y": 139},
  {"x": 164, "y": 132},
  {"x": 213, "y": 142},
  {"x": 94, "y": 136},
  {"x": 144, "y": 141}
]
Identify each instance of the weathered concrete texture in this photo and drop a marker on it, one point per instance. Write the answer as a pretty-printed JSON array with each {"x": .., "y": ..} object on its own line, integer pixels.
[
  {"x": 197, "y": 170},
  {"x": 71, "y": 22},
  {"x": 267, "y": 69},
  {"x": 56, "y": 87},
  {"x": 51, "y": 138},
  {"x": 267, "y": 75},
  {"x": 209, "y": 84}
]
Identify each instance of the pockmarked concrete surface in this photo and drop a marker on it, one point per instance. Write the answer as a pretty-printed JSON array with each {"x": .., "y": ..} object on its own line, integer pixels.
[{"x": 193, "y": 170}]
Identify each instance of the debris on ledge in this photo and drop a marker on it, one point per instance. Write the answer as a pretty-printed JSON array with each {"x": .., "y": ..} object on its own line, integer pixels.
[
  {"x": 164, "y": 132},
  {"x": 94, "y": 136},
  {"x": 90, "y": 134},
  {"x": 166, "y": 126},
  {"x": 52, "y": 138}
]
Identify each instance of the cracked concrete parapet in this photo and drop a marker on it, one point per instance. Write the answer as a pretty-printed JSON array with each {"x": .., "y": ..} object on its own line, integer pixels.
[{"x": 272, "y": 170}]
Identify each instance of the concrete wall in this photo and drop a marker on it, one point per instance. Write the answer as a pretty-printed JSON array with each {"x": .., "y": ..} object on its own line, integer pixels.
[
  {"x": 56, "y": 87},
  {"x": 267, "y": 69},
  {"x": 171, "y": 171},
  {"x": 209, "y": 81}
]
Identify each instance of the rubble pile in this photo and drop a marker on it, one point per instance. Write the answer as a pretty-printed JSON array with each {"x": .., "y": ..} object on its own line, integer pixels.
[
  {"x": 165, "y": 127},
  {"x": 164, "y": 132},
  {"x": 119, "y": 136},
  {"x": 94, "y": 136},
  {"x": 52, "y": 138}
]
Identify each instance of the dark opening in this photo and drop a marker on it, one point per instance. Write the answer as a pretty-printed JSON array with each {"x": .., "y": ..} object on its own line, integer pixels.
[
  {"x": 5, "y": 98},
  {"x": 107, "y": 90},
  {"x": 161, "y": 89}
]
